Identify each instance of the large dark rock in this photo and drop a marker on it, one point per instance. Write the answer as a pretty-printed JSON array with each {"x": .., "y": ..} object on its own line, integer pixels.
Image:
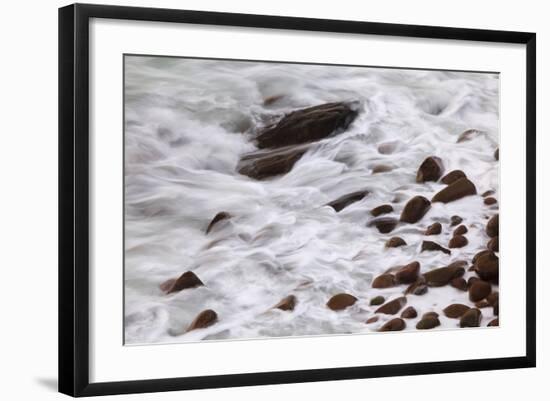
[
  {"x": 287, "y": 303},
  {"x": 408, "y": 274},
  {"x": 479, "y": 290},
  {"x": 383, "y": 224},
  {"x": 341, "y": 301},
  {"x": 433, "y": 229},
  {"x": 487, "y": 267},
  {"x": 346, "y": 200},
  {"x": 428, "y": 322},
  {"x": 395, "y": 242},
  {"x": 457, "y": 190},
  {"x": 492, "y": 245},
  {"x": 385, "y": 280},
  {"x": 459, "y": 283},
  {"x": 396, "y": 324},
  {"x": 221, "y": 216},
  {"x": 492, "y": 226},
  {"x": 186, "y": 280},
  {"x": 460, "y": 230},
  {"x": 415, "y": 209},
  {"x": 382, "y": 209},
  {"x": 489, "y": 201},
  {"x": 431, "y": 169},
  {"x": 433, "y": 246},
  {"x": 393, "y": 306},
  {"x": 456, "y": 220},
  {"x": 453, "y": 176},
  {"x": 472, "y": 318},
  {"x": 264, "y": 164},
  {"x": 458, "y": 241},
  {"x": 204, "y": 319},
  {"x": 409, "y": 313},
  {"x": 455, "y": 311},
  {"x": 443, "y": 275},
  {"x": 308, "y": 125},
  {"x": 496, "y": 154}
]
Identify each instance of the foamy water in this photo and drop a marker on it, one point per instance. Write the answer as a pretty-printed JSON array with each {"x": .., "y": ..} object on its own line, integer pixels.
[{"x": 187, "y": 124}]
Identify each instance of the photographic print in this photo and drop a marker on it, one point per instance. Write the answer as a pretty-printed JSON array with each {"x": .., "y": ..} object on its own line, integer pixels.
[{"x": 266, "y": 199}]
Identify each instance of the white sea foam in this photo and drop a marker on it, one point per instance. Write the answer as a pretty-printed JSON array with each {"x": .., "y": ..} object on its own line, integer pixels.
[{"x": 187, "y": 124}]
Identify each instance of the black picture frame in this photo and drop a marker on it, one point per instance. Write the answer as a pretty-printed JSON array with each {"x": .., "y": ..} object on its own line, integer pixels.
[{"x": 74, "y": 198}]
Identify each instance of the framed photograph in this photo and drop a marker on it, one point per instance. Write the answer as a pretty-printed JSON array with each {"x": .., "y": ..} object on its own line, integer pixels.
[{"x": 251, "y": 199}]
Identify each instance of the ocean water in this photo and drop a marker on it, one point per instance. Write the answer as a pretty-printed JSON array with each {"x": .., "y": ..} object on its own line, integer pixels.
[{"x": 187, "y": 124}]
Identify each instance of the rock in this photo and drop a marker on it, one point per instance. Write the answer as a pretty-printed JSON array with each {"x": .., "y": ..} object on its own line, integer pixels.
[
  {"x": 372, "y": 319},
  {"x": 186, "y": 280},
  {"x": 479, "y": 254},
  {"x": 489, "y": 201},
  {"x": 265, "y": 164},
  {"x": 427, "y": 323},
  {"x": 287, "y": 303},
  {"x": 395, "y": 242},
  {"x": 432, "y": 246},
  {"x": 268, "y": 101},
  {"x": 415, "y": 209},
  {"x": 393, "y": 306},
  {"x": 492, "y": 298},
  {"x": 455, "y": 311},
  {"x": 408, "y": 274},
  {"x": 472, "y": 280},
  {"x": 204, "y": 319},
  {"x": 457, "y": 190},
  {"x": 384, "y": 281},
  {"x": 430, "y": 314},
  {"x": 409, "y": 313},
  {"x": 492, "y": 226},
  {"x": 433, "y": 229},
  {"x": 381, "y": 168},
  {"x": 383, "y": 224},
  {"x": 495, "y": 308},
  {"x": 492, "y": 245},
  {"x": 396, "y": 324},
  {"x": 496, "y": 154},
  {"x": 308, "y": 125},
  {"x": 479, "y": 290},
  {"x": 217, "y": 218},
  {"x": 493, "y": 323},
  {"x": 453, "y": 176},
  {"x": 488, "y": 193},
  {"x": 443, "y": 275},
  {"x": 431, "y": 169},
  {"x": 382, "y": 209},
  {"x": 487, "y": 267},
  {"x": 482, "y": 304},
  {"x": 458, "y": 241},
  {"x": 387, "y": 148},
  {"x": 341, "y": 301},
  {"x": 472, "y": 318},
  {"x": 346, "y": 200},
  {"x": 468, "y": 135},
  {"x": 460, "y": 230},
  {"x": 378, "y": 300},
  {"x": 459, "y": 283},
  {"x": 419, "y": 287},
  {"x": 456, "y": 220}
]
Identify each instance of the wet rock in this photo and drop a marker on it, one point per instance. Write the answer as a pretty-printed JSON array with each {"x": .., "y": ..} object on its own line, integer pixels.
[
  {"x": 492, "y": 298},
  {"x": 495, "y": 308},
  {"x": 433, "y": 229},
  {"x": 378, "y": 300},
  {"x": 383, "y": 224},
  {"x": 443, "y": 275},
  {"x": 396, "y": 324},
  {"x": 432, "y": 246},
  {"x": 204, "y": 319},
  {"x": 341, "y": 301},
  {"x": 419, "y": 287},
  {"x": 372, "y": 319},
  {"x": 487, "y": 267},
  {"x": 268, "y": 101},
  {"x": 459, "y": 283},
  {"x": 265, "y": 164},
  {"x": 496, "y": 154},
  {"x": 431, "y": 169},
  {"x": 415, "y": 209},
  {"x": 488, "y": 193},
  {"x": 482, "y": 304},
  {"x": 493, "y": 323},
  {"x": 381, "y": 168},
  {"x": 409, "y": 313},
  {"x": 384, "y": 281},
  {"x": 346, "y": 200},
  {"x": 395, "y": 242},
  {"x": 472, "y": 318},
  {"x": 408, "y": 274},
  {"x": 489, "y": 201},
  {"x": 427, "y": 323},
  {"x": 456, "y": 220},
  {"x": 430, "y": 314},
  {"x": 468, "y": 135},
  {"x": 186, "y": 280},
  {"x": 479, "y": 290},
  {"x": 492, "y": 226},
  {"x": 457, "y": 190},
  {"x": 479, "y": 254},
  {"x": 453, "y": 176},
  {"x": 221, "y": 216},
  {"x": 308, "y": 125},
  {"x": 458, "y": 241},
  {"x": 460, "y": 230},
  {"x": 455, "y": 311},
  {"x": 382, "y": 209},
  {"x": 472, "y": 280},
  {"x": 492, "y": 245},
  {"x": 393, "y": 306},
  {"x": 387, "y": 148},
  {"x": 287, "y": 303}
]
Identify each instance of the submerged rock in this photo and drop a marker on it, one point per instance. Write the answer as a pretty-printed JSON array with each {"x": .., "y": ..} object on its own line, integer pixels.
[
  {"x": 341, "y": 301},
  {"x": 453, "y": 176},
  {"x": 287, "y": 303},
  {"x": 433, "y": 229},
  {"x": 381, "y": 168},
  {"x": 217, "y": 218},
  {"x": 309, "y": 125},
  {"x": 186, "y": 280},
  {"x": 415, "y": 209},
  {"x": 383, "y": 224},
  {"x": 382, "y": 209},
  {"x": 372, "y": 319},
  {"x": 431, "y": 169},
  {"x": 204, "y": 319},
  {"x": 396, "y": 324},
  {"x": 265, "y": 164},
  {"x": 433, "y": 246},
  {"x": 393, "y": 306},
  {"x": 456, "y": 220},
  {"x": 346, "y": 200},
  {"x": 457, "y": 190},
  {"x": 395, "y": 242}
]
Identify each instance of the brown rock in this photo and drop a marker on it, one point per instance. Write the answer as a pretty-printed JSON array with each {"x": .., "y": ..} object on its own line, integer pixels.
[
  {"x": 472, "y": 318},
  {"x": 395, "y": 242},
  {"x": 341, "y": 301},
  {"x": 492, "y": 298},
  {"x": 433, "y": 229},
  {"x": 415, "y": 209},
  {"x": 430, "y": 314},
  {"x": 496, "y": 154},
  {"x": 419, "y": 287},
  {"x": 268, "y": 101},
  {"x": 492, "y": 226},
  {"x": 431, "y": 169},
  {"x": 269, "y": 163},
  {"x": 308, "y": 125},
  {"x": 488, "y": 193},
  {"x": 378, "y": 300},
  {"x": 204, "y": 319},
  {"x": 492, "y": 245},
  {"x": 382, "y": 209},
  {"x": 383, "y": 224},
  {"x": 455, "y": 311},
  {"x": 479, "y": 290},
  {"x": 458, "y": 241},
  {"x": 186, "y": 280},
  {"x": 432, "y": 246},
  {"x": 472, "y": 280},
  {"x": 459, "y": 283},
  {"x": 495, "y": 308},
  {"x": 487, "y": 267},
  {"x": 456, "y": 220},
  {"x": 443, "y": 275},
  {"x": 217, "y": 218},
  {"x": 493, "y": 323},
  {"x": 460, "y": 230},
  {"x": 346, "y": 200},
  {"x": 409, "y": 313},
  {"x": 372, "y": 319},
  {"x": 489, "y": 201},
  {"x": 384, "y": 281},
  {"x": 479, "y": 254},
  {"x": 381, "y": 168},
  {"x": 468, "y": 135},
  {"x": 396, "y": 324},
  {"x": 165, "y": 286},
  {"x": 393, "y": 306},
  {"x": 408, "y": 274},
  {"x": 482, "y": 304},
  {"x": 453, "y": 176},
  {"x": 287, "y": 303},
  {"x": 427, "y": 323},
  {"x": 457, "y": 190}
]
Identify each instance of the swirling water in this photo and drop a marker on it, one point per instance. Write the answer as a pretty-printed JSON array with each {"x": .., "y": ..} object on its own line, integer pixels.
[{"x": 188, "y": 121}]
